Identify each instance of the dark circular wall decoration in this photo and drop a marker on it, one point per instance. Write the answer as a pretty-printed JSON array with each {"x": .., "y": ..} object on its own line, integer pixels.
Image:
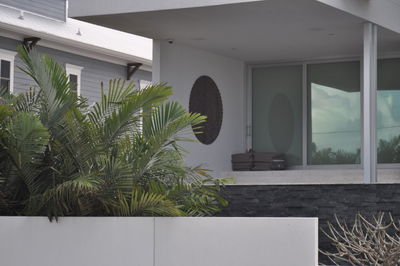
[{"x": 206, "y": 100}]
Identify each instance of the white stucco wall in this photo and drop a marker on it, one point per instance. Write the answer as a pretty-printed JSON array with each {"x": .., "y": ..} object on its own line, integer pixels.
[
  {"x": 149, "y": 241},
  {"x": 180, "y": 66}
]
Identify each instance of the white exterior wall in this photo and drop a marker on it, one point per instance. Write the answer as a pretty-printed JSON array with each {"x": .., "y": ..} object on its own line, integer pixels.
[
  {"x": 147, "y": 241},
  {"x": 180, "y": 66}
]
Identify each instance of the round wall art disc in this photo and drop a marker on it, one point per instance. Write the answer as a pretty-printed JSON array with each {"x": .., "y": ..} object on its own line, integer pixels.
[{"x": 206, "y": 100}]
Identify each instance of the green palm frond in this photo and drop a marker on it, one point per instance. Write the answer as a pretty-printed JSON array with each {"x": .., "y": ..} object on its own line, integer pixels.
[
  {"x": 56, "y": 97},
  {"x": 142, "y": 203},
  {"x": 115, "y": 116},
  {"x": 27, "y": 102},
  {"x": 167, "y": 125},
  {"x": 58, "y": 156},
  {"x": 72, "y": 196},
  {"x": 27, "y": 139}
]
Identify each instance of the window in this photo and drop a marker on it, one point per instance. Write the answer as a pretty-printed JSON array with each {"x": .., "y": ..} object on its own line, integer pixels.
[
  {"x": 143, "y": 84},
  {"x": 332, "y": 107},
  {"x": 7, "y": 69},
  {"x": 388, "y": 111},
  {"x": 334, "y": 127},
  {"x": 278, "y": 111},
  {"x": 74, "y": 76}
]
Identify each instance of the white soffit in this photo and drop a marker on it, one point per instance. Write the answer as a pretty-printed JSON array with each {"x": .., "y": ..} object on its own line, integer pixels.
[
  {"x": 80, "y": 35},
  {"x": 78, "y": 8},
  {"x": 257, "y": 32},
  {"x": 385, "y": 13}
]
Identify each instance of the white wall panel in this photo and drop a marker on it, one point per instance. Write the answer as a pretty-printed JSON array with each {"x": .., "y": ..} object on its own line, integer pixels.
[
  {"x": 140, "y": 241},
  {"x": 180, "y": 66},
  {"x": 236, "y": 241},
  {"x": 95, "y": 241}
]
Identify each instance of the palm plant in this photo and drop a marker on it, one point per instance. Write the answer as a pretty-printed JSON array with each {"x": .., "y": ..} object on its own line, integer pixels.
[{"x": 59, "y": 156}]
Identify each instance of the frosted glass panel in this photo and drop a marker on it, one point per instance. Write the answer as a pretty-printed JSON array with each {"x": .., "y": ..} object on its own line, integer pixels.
[
  {"x": 277, "y": 111},
  {"x": 334, "y": 113},
  {"x": 388, "y": 113}
]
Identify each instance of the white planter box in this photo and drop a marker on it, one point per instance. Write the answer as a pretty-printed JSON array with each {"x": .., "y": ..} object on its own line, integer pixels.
[{"x": 141, "y": 241}]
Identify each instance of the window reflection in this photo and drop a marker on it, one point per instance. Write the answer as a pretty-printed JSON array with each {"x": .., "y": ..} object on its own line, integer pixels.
[
  {"x": 388, "y": 113},
  {"x": 277, "y": 111},
  {"x": 334, "y": 107}
]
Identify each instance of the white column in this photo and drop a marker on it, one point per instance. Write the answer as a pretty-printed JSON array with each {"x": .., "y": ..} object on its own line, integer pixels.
[
  {"x": 156, "y": 65},
  {"x": 369, "y": 103}
]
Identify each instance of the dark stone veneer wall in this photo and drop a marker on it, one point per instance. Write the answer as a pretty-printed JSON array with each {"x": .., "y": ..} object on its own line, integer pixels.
[{"x": 322, "y": 201}]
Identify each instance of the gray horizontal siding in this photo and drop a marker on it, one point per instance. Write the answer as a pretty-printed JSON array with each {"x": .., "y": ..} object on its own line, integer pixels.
[
  {"x": 94, "y": 71},
  {"x": 50, "y": 8}
]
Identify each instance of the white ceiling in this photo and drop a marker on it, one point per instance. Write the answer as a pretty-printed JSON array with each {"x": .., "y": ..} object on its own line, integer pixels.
[
  {"x": 396, "y": 1},
  {"x": 271, "y": 30}
]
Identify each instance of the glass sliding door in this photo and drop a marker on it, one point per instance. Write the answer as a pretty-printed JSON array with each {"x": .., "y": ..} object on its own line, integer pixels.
[
  {"x": 277, "y": 111},
  {"x": 334, "y": 135},
  {"x": 334, "y": 113},
  {"x": 388, "y": 113}
]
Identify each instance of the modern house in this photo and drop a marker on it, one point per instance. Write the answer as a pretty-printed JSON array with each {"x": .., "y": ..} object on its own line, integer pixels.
[
  {"x": 318, "y": 80},
  {"x": 90, "y": 53}
]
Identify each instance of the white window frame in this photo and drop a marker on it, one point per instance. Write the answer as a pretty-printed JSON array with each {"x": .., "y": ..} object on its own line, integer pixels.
[
  {"x": 143, "y": 84},
  {"x": 75, "y": 70},
  {"x": 8, "y": 55}
]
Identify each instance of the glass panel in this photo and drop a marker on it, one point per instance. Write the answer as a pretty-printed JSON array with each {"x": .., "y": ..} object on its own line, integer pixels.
[
  {"x": 334, "y": 113},
  {"x": 277, "y": 111},
  {"x": 5, "y": 83},
  {"x": 73, "y": 80},
  {"x": 5, "y": 69},
  {"x": 388, "y": 113}
]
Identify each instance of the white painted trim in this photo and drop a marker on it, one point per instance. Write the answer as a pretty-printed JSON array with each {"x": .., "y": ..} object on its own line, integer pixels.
[
  {"x": 73, "y": 50},
  {"x": 75, "y": 70},
  {"x": 143, "y": 84},
  {"x": 66, "y": 9},
  {"x": 245, "y": 88},
  {"x": 9, "y": 56},
  {"x": 305, "y": 116},
  {"x": 369, "y": 103},
  {"x": 156, "y": 65},
  {"x": 91, "y": 38},
  {"x": 249, "y": 108}
]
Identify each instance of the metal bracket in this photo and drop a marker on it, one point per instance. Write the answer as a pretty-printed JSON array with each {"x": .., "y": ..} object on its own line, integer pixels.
[
  {"x": 30, "y": 42},
  {"x": 131, "y": 68}
]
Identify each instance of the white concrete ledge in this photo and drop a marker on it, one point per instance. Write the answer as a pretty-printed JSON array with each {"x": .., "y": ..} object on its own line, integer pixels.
[
  {"x": 307, "y": 177},
  {"x": 127, "y": 241}
]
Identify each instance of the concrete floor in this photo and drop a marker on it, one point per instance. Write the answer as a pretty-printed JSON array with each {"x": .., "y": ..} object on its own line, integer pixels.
[{"x": 310, "y": 176}]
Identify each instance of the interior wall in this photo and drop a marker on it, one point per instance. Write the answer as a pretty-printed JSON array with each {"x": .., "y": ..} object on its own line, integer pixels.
[{"x": 180, "y": 66}]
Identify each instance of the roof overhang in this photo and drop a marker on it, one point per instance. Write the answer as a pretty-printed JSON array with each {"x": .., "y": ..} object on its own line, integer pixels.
[
  {"x": 78, "y": 37},
  {"x": 83, "y": 8},
  {"x": 385, "y": 13},
  {"x": 254, "y": 31}
]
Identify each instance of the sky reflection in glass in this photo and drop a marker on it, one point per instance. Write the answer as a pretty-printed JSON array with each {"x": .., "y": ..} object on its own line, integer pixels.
[{"x": 334, "y": 104}]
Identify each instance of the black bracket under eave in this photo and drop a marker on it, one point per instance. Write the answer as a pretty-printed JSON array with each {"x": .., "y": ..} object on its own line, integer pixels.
[
  {"x": 30, "y": 42},
  {"x": 131, "y": 68}
]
